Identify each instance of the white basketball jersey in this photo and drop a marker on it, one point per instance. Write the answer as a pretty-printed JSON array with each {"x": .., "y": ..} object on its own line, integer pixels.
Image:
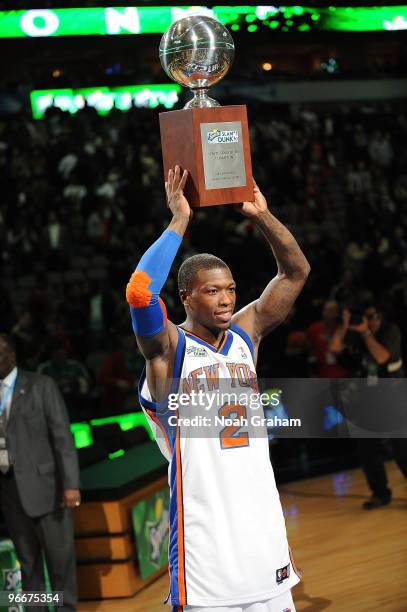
[{"x": 227, "y": 540}]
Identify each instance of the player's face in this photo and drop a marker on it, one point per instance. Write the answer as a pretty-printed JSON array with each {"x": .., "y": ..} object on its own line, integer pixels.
[{"x": 213, "y": 298}]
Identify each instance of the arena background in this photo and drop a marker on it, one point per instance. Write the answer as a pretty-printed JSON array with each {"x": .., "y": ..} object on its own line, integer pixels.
[{"x": 82, "y": 196}]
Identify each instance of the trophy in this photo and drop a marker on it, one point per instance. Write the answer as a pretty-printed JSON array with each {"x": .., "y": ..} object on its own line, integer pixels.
[{"x": 209, "y": 140}]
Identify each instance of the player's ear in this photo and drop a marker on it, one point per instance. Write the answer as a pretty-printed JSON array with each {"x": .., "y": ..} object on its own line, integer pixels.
[{"x": 184, "y": 296}]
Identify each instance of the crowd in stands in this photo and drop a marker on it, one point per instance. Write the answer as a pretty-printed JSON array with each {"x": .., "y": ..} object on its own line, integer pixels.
[{"x": 83, "y": 198}]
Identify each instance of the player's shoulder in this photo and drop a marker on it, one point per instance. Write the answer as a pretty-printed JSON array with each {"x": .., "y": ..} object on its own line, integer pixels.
[
  {"x": 240, "y": 334},
  {"x": 174, "y": 332}
]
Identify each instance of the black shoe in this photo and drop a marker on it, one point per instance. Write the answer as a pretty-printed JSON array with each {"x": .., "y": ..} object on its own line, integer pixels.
[{"x": 376, "y": 502}]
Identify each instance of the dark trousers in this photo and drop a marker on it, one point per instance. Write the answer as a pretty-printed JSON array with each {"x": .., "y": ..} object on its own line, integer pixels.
[
  {"x": 371, "y": 458},
  {"x": 51, "y": 533}
]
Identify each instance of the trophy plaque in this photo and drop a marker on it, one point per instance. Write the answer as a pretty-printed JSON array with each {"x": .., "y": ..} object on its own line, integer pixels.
[{"x": 209, "y": 140}]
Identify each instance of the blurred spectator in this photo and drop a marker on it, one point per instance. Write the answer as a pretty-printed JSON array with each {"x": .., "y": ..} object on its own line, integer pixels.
[
  {"x": 119, "y": 376},
  {"x": 28, "y": 341},
  {"x": 319, "y": 336},
  {"x": 7, "y": 314},
  {"x": 380, "y": 149},
  {"x": 296, "y": 354},
  {"x": 101, "y": 308},
  {"x": 72, "y": 379},
  {"x": 39, "y": 301},
  {"x": 344, "y": 291},
  {"x": 74, "y": 312},
  {"x": 55, "y": 336},
  {"x": 55, "y": 236},
  {"x": 281, "y": 348},
  {"x": 359, "y": 179}
]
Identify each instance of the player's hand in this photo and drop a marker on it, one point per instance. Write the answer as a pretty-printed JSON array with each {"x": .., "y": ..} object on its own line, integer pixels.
[
  {"x": 72, "y": 498},
  {"x": 255, "y": 208},
  {"x": 174, "y": 188}
]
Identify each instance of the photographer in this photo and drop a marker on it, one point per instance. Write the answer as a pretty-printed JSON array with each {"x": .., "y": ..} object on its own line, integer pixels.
[{"x": 371, "y": 348}]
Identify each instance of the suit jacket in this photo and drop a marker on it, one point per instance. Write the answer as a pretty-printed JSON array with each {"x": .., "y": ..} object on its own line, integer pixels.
[{"x": 41, "y": 444}]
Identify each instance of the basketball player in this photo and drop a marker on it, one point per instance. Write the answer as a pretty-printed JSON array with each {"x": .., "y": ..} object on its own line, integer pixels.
[{"x": 228, "y": 548}]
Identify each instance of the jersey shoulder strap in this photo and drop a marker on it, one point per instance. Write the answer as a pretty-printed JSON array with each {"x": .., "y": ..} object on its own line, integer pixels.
[{"x": 238, "y": 330}]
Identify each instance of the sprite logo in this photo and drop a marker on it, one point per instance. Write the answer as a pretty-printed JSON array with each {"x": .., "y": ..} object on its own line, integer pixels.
[
  {"x": 12, "y": 579},
  {"x": 217, "y": 136},
  {"x": 157, "y": 531},
  {"x": 150, "y": 522},
  {"x": 156, "y": 534}
]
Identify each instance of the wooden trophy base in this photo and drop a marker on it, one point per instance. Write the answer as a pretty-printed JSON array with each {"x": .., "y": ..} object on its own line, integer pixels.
[{"x": 213, "y": 145}]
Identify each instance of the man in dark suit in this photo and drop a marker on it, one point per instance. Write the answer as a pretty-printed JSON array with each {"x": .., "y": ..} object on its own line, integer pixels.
[{"x": 39, "y": 476}]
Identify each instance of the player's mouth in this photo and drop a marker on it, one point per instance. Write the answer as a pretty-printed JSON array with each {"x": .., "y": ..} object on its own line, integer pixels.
[{"x": 224, "y": 315}]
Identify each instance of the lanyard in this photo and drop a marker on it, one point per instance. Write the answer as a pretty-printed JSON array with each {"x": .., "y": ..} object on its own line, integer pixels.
[{"x": 6, "y": 394}]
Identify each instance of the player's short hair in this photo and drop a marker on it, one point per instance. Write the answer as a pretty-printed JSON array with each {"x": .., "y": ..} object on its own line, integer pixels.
[
  {"x": 9, "y": 341},
  {"x": 192, "y": 265}
]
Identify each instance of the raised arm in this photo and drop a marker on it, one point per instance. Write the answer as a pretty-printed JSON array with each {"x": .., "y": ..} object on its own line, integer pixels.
[
  {"x": 157, "y": 337},
  {"x": 336, "y": 344},
  {"x": 277, "y": 299}
]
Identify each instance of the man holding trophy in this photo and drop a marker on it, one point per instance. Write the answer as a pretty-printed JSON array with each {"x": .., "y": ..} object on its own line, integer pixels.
[{"x": 228, "y": 547}]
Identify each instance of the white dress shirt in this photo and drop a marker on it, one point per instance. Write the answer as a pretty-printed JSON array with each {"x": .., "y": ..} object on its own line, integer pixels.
[{"x": 6, "y": 382}]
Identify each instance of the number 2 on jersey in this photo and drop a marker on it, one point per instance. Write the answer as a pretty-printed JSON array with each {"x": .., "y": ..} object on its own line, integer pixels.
[{"x": 229, "y": 436}]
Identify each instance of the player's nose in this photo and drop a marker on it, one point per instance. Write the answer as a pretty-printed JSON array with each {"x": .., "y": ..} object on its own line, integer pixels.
[{"x": 226, "y": 299}]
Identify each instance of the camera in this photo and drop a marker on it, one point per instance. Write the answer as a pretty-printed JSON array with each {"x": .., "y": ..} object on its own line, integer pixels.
[{"x": 356, "y": 316}]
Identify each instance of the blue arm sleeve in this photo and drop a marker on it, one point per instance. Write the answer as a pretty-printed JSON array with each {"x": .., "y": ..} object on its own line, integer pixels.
[
  {"x": 147, "y": 310},
  {"x": 158, "y": 259}
]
